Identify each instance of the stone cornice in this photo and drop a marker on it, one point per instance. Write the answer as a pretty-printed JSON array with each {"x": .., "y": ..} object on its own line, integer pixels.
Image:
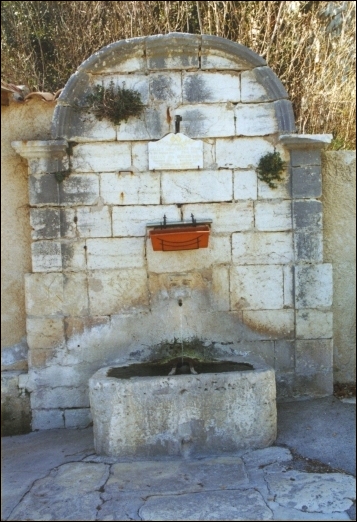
[
  {"x": 38, "y": 149},
  {"x": 305, "y": 141}
]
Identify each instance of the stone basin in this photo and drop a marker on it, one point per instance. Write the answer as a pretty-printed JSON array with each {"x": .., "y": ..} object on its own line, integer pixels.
[{"x": 202, "y": 408}]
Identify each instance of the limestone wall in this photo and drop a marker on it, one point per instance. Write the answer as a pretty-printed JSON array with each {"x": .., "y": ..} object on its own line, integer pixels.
[{"x": 339, "y": 200}]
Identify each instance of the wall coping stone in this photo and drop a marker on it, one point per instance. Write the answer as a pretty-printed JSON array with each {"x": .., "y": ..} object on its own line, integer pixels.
[
  {"x": 40, "y": 149},
  {"x": 305, "y": 141}
]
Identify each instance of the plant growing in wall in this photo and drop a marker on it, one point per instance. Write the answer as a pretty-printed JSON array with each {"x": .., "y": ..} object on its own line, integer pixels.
[
  {"x": 113, "y": 103},
  {"x": 270, "y": 168}
]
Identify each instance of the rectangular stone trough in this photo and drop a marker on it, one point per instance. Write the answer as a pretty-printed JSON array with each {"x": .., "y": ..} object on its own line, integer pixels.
[{"x": 193, "y": 414}]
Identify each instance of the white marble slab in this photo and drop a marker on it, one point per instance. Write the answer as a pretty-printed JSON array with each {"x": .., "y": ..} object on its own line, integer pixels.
[{"x": 175, "y": 152}]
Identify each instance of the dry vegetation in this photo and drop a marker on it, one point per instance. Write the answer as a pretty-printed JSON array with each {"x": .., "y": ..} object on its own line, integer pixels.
[{"x": 309, "y": 45}]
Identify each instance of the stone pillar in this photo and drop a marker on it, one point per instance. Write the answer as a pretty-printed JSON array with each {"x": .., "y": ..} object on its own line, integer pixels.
[{"x": 312, "y": 277}]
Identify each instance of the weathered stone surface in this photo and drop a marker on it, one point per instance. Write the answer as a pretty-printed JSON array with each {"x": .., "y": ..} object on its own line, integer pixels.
[
  {"x": 46, "y": 256},
  {"x": 289, "y": 288},
  {"x": 75, "y": 91},
  {"x": 172, "y": 51},
  {"x": 307, "y": 214},
  {"x": 271, "y": 324},
  {"x": 166, "y": 87},
  {"x": 14, "y": 358},
  {"x": 137, "y": 82},
  {"x": 314, "y": 384},
  {"x": 273, "y": 216},
  {"x": 282, "y": 190},
  {"x": 127, "y": 188},
  {"x": 15, "y": 406},
  {"x": 220, "y": 288},
  {"x": 310, "y": 143},
  {"x": 79, "y": 189},
  {"x": 218, "y": 252},
  {"x": 48, "y": 419},
  {"x": 45, "y": 223},
  {"x": 284, "y": 116},
  {"x": 281, "y": 513},
  {"x": 75, "y": 294},
  {"x": 263, "y": 457},
  {"x": 154, "y": 416},
  {"x": 175, "y": 152},
  {"x": 77, "y": 418},
  {"x": 260, "y": 85},
  {"x": 73, "y": 255},
  {"x": 94, "y": 222},
  {"x": 302, "y": 157},
  {"x": 43, "y": 189},
  {"x": 207, "y": 120},
  {"x": 71, "y": 491},
  {"x": 115, "y": 253},
  {"x": 313, "y": 284},
  {"x": 241, "y": 152},
  {"x": 314, "y": 324},
  {"x": 140, "y": 156},
  {"x": 60, "y": 397},
  {"x": 44, "y": 294},
  {"x": 45, "y": 333},
  {"x": 306, "y": 182},
  {"x": 152, "y": 124},
  {"x": 205, "y": 87},
  {"x": 81, "y": 126},
  {"x": 262, "y": 248},
  {"x": 245, "y": 184},
  {"x": 312, "y": 356},
  {"x": 257, "y": 288},
  {"x": 284, "y": 356},
  {"x": 67, "y": 218},
  {"x": 219, "y": 53},
  {"x": 99, "y": 157},
  {"x": 308, "y": 246},
  {"x": 132, "y": 220},
  {"x": 256, "y": 119},
  {"x": 226, "y": 217},
  {"x": 313, "y": 492},
  {"x": 217, "y": 505},
  {"x": 115, "y": 291},
  {"x": 197, "y": 186}
]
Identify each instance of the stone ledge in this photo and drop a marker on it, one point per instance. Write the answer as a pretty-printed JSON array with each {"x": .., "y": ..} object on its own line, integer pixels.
[{"x": 306, "y": 141}]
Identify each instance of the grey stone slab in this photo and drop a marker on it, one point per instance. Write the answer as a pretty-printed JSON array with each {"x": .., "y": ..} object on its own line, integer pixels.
[
  {"x": 220, "y": 53},
  {"x": 285, "y": 116},
  {"x": 307, "y": 214},
  {"x": 43, "y": 190},
  {"x": 284, "y": 356},
  {"x": 308, "y": 246},
  {"x": 75, "y": 92},
  {"x": 217, "y": 505},
  {"x": 263, "y": 457},
  {"x": 172, "y": 51},
  {"x": 314, "y": 355},
  {"x": 301, "y": 157},
  {"x": 121, "y": 506},
  {"x": 274, "y": 88},
  {"x": 312, "y": 492},
  {"x": 283, "y": 514},
  {"x": 70, "y": 492},
  {"x": 79, "y": 189},
  {"x": 306, "y": 182},
  {"x": 313, "y": 286},
  {"x": 45, "y": 223}
]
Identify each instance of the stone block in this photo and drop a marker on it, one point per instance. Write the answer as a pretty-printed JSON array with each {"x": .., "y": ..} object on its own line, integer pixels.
[
  {"x": 45, "y": 223},
  {"x": 306, "y": 182},
  {"x": 288, "y": 286},
  {"x": 60, "y": 397},
  {"x": 256, "y": 119},
  {"x": 76, "y": 326},
  {"x": 76, "y": 90},
  {"x": 284, "y": 356},
  {"x": 314, "y": 356},
  {"x": 115, "y": 253},
  {"x": 172, "y": 51},
  {"x": 94, "y": 221},
  {"x": 124, "y": 56},
  {"x": 206, "y": 87},
  {"x": 207, "y": 121},
  {"x": 318, "y": 384},
  {"x": 73, "y": 255},
  {"x": 285, "y": 116},
  {"x": 46, "y": 256},
  {"x": 132, "y": 220},
  {"x": 270, "y": 324},
  {"x": 307, "y": 214},
  {"x": 101, "y": 157},
  {"x": 313, "y": 286},
  {"x": 209, "y": 154},
  {"x": 226, "y": 217},
  {"x": 77, "y": 418},
  {"x": 140, "y": 156},
  {"x": 43, "y": 189},
  {"x": 166, "y": 87},
  {"x": 262, "y": 248},
  {"x": 15, "y": 406},
  {"x": 302, "y": 157},
  {"x": 14, "y": 358},
  {"x": 314, "y": 324},
  {"x": 196, "y": 186},
  {"x": 281, "y": 191},
  {"x": 82, "y": 126},
  {"x": 273, "y": 216},
  {"x": 128, "y": 188},
  {"x": 256, "y": 288},
  {"x": 115, "y": 291},
  {"x": 67, "y": 222},
  {"x": 137, "y": 82},
  {"x": 218, "y": 252},
  {"x": 220, "y": 289},
  {"x": 152, "y": 124},
  {"x": 47, "y": 419},
  {"x": 75, "y": 291},
  {"x": 241, "y": 152},
  {"x": 261, "y": 85},
  {"x": 45, "y": 333},
  {"x": 308, "y": 246},
  {"x": 44, "y": 294},
  {"x": 79, "y": 189},
  {"x": 219, "y": 53},
  {"x": 245, "y": 184}
]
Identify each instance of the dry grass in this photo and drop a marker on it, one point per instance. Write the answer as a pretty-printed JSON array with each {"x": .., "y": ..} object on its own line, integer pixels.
[{"x": 309, "y": 45}]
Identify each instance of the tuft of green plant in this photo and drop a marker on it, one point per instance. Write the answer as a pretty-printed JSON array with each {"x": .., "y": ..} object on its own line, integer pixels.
[
  {"x": 270, "y": 168},
  {"x": 113, "y": 103}
]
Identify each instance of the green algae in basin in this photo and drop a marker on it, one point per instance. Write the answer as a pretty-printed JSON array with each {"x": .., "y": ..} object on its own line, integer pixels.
[{"x": 157, "y": 369}]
